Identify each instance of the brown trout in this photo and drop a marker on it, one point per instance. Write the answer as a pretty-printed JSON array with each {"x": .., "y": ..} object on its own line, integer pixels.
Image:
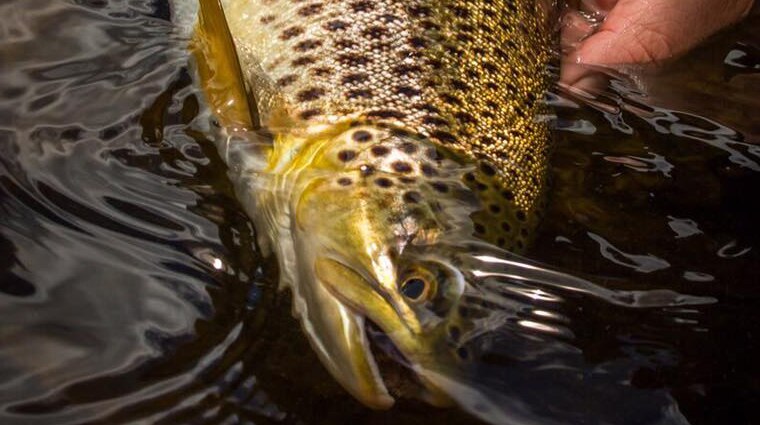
[{"x": 399, "y": 130}]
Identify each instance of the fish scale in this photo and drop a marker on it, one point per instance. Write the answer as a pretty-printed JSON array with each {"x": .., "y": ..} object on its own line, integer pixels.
[{"x": 467, "y": 75}]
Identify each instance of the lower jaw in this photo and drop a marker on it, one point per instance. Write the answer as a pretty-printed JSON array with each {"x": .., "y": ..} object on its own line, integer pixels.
[{"x": 395, "y": 369}]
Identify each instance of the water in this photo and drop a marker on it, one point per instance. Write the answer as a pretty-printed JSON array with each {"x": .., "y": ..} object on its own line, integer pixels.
[{"x": 131, "y": 289}]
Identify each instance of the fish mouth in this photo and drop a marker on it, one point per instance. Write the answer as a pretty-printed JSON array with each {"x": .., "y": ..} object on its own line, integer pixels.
[{"x": 389, "y": 345}]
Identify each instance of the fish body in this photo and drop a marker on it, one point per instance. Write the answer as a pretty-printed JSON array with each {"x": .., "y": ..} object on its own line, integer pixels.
[{"x": 399, "y": 130}]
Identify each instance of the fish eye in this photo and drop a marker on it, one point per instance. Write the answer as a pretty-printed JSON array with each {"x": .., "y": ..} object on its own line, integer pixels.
[{"x": 414, "y": 288}]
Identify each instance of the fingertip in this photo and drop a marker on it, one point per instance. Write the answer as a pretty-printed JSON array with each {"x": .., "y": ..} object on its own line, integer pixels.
[{"x": 601, "y": 48}]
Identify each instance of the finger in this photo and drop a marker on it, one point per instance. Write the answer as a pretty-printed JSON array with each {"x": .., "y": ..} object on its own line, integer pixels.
[
  {"x": 637, "y": 32},
  {"x": 574, "y": 28}
]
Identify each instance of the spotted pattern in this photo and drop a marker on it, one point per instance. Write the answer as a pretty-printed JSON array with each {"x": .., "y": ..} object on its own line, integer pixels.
[{"x": 468, "y": 75}]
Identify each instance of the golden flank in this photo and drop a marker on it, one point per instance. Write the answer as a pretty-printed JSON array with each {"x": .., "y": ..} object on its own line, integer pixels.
[{"x": 369, "y": 139}]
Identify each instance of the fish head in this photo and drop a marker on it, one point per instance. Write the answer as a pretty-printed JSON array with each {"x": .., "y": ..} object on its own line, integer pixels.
[{"x": 372, "y": 206}]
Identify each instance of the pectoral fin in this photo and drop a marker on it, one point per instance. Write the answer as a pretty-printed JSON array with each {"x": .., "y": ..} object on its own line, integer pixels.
[{"x": 219, "y": 69}]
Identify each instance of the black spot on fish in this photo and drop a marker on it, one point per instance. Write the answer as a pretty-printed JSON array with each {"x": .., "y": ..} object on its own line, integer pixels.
[
  {"x": 383, "y": 182},
  {"x": 433, "y": 154},
  {"x": 479, "y": 229},
  {"x": 521, "y": 215},
  {"x": 530, "y": 99},
  {"x": 310, "y": 10},
  {"x": 307, "y": 45},
  {"x": 359, "y": 94},
  {"x": 389, "y": 18},
  {"x": 406, "y": 69},
  {"x": 460, "y": 11},
  {"x": 344, "y": 181},
  {"x": 436, "y": 121},
  {"x": 454, "y": 50},
  {"x": 407, "y": 180},
  {"x": 430, "y": 26},
  {"x": 407, "y": 91},
  {"x": 428, "y": 108},
  {"x": 362, "y": 6},
  {"x": 443, "y": 136},
  {"x": 412, "y": 197},
  {"x": 345, "y": 44},
  {"x": 501, "y": 54},
  {"x": 346, "y": 155},
  {"x": 459, "y": 85},
  {"x": 355, "y": 78},
  {"x": 435, "y": 63},
  {"x": 428, "y": 170},
  {"x": 505, "y": 226},
  {"x": 303, "y": 60},
  {"x": 418, "y": 42},
  {"x": 310, "y": 113},
  {"x": 451, "y": 99},
  {"x": 310, "y": 94},
  {"x": 267, "y": 19},
  {"x": 490, "y": 67},
  {"x": 420, "y": 11},
  {"x": 400, "y": 132},
  {"x": 408, "y": 148},
  {"x": 379, "y": 150},
  {"x": 321, "y": 71},
  {"x": 353, "y": 59},
  {"x": 464, "y": 117},
  {"x": 287, "y": 80},
  {"x": 470, "y": 177},
  {"x": 401, "y": 167},
  {"x": 386, "y": 113},
  {"x": 454, "y": 333},
  {"x": 508, "y": 195},
  {"x": 440, "y": 187},
  {"x": 375, "y": 33},
  {"x": 336, "y": 25},
  {"x": 291, "y": 32},
  {"x": 464, "y": 38},
  {"x": 495, "y": 209},
  {"x": 361, "y": 136},
  {"x": 487, "y": 169},
  {"x": 463, "y": 353}
]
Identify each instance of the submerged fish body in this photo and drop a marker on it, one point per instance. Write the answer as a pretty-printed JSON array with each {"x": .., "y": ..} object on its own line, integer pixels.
[{"x": 400, "y": 130}]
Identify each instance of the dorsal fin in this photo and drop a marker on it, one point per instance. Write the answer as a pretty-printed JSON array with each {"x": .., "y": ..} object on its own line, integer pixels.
[{"x": 219, "y": 70}]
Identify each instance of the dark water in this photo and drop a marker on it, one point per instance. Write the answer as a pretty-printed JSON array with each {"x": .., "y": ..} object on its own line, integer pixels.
[{"x": 131, "y": 290}]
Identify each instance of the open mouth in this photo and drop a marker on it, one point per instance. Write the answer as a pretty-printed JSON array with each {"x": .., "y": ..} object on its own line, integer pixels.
[{"x": 395, "y": 369}]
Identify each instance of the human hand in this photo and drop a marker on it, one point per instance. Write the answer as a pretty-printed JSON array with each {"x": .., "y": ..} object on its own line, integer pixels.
[{"x": 640, "y": 31}]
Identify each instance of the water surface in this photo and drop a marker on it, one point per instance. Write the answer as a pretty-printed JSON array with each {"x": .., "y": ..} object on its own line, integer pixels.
[{"x": 131, "y": 289}]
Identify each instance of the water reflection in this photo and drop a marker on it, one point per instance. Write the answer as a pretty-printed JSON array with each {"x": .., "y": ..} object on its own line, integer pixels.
[{"x": 131, "y": 290}]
